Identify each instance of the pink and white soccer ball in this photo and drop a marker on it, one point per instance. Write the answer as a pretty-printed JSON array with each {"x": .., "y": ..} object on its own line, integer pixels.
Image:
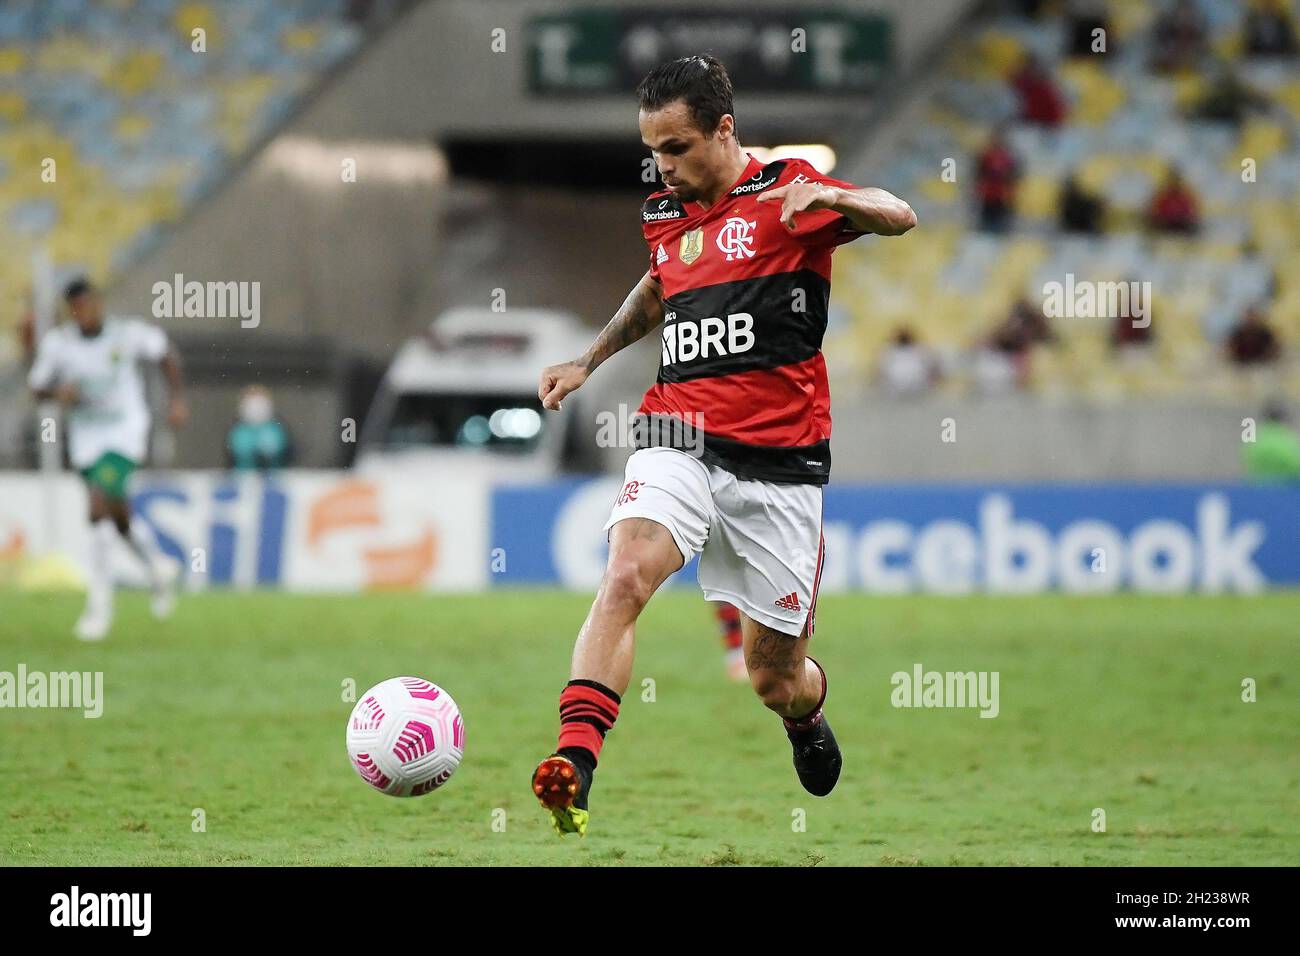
[{"x": 406, "y": 737}]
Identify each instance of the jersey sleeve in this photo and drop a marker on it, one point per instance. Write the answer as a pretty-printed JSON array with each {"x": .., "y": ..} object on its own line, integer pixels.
[
  {"x": 44, "y": 372},
  {"x": 821, "y": 227},
  {"x": 148, "y": 341}
]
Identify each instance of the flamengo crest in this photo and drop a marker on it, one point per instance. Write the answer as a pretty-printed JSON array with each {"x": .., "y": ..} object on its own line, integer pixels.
[{"x": 735, "y": 239}]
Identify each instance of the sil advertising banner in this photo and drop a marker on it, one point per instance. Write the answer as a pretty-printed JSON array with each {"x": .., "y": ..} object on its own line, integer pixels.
[{"x": 299, "y": 530}]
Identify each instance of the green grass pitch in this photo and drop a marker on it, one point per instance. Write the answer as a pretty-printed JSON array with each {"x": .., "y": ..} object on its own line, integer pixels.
[{"x": 1129, "y": 704}]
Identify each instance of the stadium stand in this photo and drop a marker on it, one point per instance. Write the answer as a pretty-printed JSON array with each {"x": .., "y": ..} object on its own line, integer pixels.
[
  {"x": 1225, "y": 119},
  {"x": 141, "y": 115}
]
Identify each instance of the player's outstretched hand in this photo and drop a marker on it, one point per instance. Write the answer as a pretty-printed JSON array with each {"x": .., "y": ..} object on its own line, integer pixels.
[
  {"x": 800, "y": 197},
  {"x": 558, "y": 381}
]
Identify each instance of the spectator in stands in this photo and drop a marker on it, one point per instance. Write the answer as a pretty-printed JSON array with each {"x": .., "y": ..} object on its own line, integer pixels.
[
  {"x": 996, "y": 371},
  {"x": 1274, "y": 455},
  {"x": 1081, "y": 211},
  {"x": 1131, "y": 335},
  {"x": 1002, "y": 360},
  {"x": 1228, "y": 98},
  {"x": 996, "y": 175},
  {"x": 1023, "y": 327},
  {"x": 27, "y": 331},
  {"x": 907, "y": 367},
  {"x": 1041, "y": 101},
  {"x": 1174, "y": 207},
  {"x": 1252, "y": 341},
  {"x": 1030, "y": 9},
  {"x": 1179, "y": 38},
  {"x": 1083, "y": 19},
  {"x": 1269, "y": 31},
  {"x": 258, "y": 441}
]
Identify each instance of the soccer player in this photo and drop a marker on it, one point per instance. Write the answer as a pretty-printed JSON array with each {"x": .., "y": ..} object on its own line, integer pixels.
[
  {"x": 92, "y": 368},
  {"x": 736, "y": 449}
]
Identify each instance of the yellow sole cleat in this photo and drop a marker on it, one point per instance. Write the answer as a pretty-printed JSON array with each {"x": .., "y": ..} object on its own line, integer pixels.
[{"x": 557, "y": 784}]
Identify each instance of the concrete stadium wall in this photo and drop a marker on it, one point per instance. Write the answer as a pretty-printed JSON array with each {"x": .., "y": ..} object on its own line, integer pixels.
[{"x": 1006, "y": 438}]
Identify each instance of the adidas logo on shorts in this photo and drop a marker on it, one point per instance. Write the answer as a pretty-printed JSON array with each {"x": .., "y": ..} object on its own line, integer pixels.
[{"x": 790, "y": 602}]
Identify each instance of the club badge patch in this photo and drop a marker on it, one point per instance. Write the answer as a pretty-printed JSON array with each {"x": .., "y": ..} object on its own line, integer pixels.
[{"x": 692, "y": 246}]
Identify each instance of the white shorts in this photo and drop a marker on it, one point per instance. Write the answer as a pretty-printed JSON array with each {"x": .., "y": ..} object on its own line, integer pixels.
[{"x": 760, "y": 543}]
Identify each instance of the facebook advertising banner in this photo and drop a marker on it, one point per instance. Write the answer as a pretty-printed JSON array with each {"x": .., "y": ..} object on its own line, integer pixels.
[{"x": 955, "y": 539}]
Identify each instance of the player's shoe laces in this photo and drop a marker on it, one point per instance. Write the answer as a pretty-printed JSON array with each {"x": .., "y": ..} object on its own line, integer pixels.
[
  {"x": 817, "y": 758},
  {"x": 561, "y": 786}
]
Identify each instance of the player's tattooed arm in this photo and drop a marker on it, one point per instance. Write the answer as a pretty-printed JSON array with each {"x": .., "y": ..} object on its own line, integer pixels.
[{"x": 640, "y": 313}]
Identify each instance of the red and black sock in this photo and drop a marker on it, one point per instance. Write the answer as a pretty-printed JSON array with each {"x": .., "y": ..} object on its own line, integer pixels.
[
  {"x": 588, "y": 710},
  {"x": 811, "y": 719}
]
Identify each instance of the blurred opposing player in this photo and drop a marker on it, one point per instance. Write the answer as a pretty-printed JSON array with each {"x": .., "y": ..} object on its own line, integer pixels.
[
  {"x": 738, "y": 446},
  {"x": 733, "y": 642},
  {"x": 93, "y": 368}
]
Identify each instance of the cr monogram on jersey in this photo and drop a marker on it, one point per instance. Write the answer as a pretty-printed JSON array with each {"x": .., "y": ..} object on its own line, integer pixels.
[
  {"x": 735, "y": 238},
  {"x": 745, "y": 306}
]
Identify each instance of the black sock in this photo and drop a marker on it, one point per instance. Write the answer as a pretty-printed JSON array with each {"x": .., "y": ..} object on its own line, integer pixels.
[
  {"x": 586, "y": 763},
  {"x": 581, "y": 757}
]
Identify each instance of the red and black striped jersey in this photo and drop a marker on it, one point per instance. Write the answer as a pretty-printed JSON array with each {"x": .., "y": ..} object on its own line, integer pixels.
[{"x": 745, "y": 302}]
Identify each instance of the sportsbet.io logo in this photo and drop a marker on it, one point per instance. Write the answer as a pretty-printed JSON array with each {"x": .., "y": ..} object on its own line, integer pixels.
[{"x": 664, "y": 211}]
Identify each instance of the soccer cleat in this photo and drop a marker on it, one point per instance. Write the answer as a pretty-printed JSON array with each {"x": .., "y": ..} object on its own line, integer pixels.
[
  {"x": 817, "y": 758},
  {"x": 166, "y": 574},
  {"x": 561, "y": 787}
]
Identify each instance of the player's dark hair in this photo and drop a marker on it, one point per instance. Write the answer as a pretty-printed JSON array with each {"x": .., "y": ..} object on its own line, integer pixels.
[
  {"x": 77, "y": 288},
  {"x": 699, "y": 80}
]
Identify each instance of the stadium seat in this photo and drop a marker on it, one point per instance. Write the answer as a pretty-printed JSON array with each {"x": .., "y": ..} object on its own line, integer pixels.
[{"x": 138, "y": 124}]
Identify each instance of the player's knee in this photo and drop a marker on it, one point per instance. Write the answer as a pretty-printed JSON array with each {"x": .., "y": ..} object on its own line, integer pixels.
[
  {"x": 776, "y": 689},
  {"x": 627, "y": 585}
]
